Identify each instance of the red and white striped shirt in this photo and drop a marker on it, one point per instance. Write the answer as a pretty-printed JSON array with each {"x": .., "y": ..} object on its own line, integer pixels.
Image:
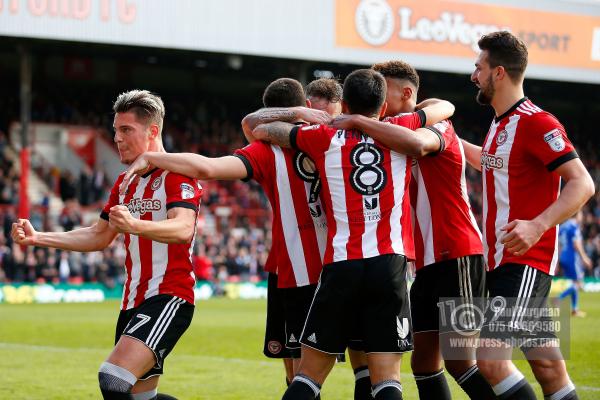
[
  {"x": 364, "y": 186},
  {"x": 445, "y": 227},
  {"x": 152, "y": 267},
  {"x": 413, "y": 120},
  {"x": 521, "y": 150},
  {"x": 299, "y": 223}
]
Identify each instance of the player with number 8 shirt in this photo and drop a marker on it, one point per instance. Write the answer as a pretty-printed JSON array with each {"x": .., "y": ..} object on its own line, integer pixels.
[{"x": 369, "y": 233}]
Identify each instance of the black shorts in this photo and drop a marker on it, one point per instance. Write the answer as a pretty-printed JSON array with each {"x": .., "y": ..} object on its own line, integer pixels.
[
  {"x": 369, "y": 294},
  {"x": 460, "y": 278},
  {"x": 517, "y": 293},
  {"x": 158, "y": 322},
  {"x": 296, "y": 303},
  {"x": 275, "y": 337}
]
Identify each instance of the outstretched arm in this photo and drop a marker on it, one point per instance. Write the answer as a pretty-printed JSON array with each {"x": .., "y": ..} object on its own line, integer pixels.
[
  {"x": 93, "y": 238},
  {"x": 282, "y": 114},
  {"x": 398, "y": 138},
  {"x": 275, "y": 132},
  {"x": 436, "y": 110},
  {"x": 188, "y": 164},
  {"x": 472, "y": 154}
]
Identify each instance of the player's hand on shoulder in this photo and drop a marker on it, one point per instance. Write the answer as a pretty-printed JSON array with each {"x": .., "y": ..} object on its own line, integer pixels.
[
  {"x": 139, "y": 167},
  {"x": 313, "y": 116},
  {"x": 23, "y": 233},
  {"x": 345, "y": 121},
  {"x": 521, "y": 235}
]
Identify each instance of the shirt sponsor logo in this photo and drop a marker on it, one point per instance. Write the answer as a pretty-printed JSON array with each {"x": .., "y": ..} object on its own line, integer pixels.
[
  {"x": 489, "y": 161},
  {"x": 374, "y": 20},
  {"x": 555, "y": 140},
  {"x": 142, "y": 206},
  {"x": 187, "y": 191}
]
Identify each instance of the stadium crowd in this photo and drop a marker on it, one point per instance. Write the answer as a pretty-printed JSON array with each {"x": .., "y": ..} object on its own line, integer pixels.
[{"x": 233, "y": 227}]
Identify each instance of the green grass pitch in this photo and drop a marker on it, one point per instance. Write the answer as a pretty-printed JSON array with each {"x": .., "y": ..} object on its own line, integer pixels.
[{"x": 53, "y": 351}]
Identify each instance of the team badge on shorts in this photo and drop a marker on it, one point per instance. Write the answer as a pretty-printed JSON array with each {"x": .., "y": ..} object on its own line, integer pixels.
[
  {"x": 187, "y": 191},
  {"x": 274, "y": 347},
  {"x": 555, "y": 140},
  {"x": 501, "y": 138},
  {"x": 156, "y": 183}
]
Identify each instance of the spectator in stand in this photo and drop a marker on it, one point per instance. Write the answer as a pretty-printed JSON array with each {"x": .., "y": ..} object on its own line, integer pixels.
[
  {"x": 70, "y": 216},
  {"x": 45, "y": 269},
  {"x": 84, "y": 186},
  {"x": 67, "y": 186},
  {"x": 64, "y": 270},
  {"x": 203, "y": 266},
  {"x": 100, "y": 185}
]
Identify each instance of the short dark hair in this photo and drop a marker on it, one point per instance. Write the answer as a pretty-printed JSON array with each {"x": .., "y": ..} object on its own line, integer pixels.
[
  {"x": 399, "y": 70},
  {"x": 364, "y": 92},
  {"x": 284, "y": 92},
  {"x": 326, "y": 88},
  {"x": 506, "y": 50},
  {"x": 147, "y": 107}
]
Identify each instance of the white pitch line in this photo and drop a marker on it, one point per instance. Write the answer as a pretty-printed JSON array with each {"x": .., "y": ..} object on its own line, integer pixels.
[{"x": 58, "y": 349}]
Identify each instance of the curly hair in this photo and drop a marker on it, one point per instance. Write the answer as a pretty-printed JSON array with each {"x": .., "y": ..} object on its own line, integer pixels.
[{"x": 399, "y": 70}]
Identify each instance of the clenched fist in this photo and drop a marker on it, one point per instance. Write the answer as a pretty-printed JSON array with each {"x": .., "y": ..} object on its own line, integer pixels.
[
  {"x": 23, "y": 233},
  {"x": 121, "y": 219}
]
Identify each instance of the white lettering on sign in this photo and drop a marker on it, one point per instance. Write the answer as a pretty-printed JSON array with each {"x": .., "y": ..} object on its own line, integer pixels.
[
  {"x": 126, "y": 10},
  {"x": 449, "y": 27},
  {"x": 596, "y": 45}
]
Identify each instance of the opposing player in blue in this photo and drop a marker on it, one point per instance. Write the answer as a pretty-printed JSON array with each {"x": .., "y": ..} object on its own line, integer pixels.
[{"x": 572, "y": 259}]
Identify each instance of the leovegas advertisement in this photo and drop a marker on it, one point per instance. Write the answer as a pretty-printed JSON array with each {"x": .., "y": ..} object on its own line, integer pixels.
[{"x": 452, "y": 28}]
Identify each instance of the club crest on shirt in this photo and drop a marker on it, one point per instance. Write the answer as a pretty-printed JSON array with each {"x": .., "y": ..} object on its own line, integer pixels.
[
  {"x": 156, "y": 183},
  {"x": 555, "y": 140},
  {"x": 187, "y": 191},
  {"x": 501, "y": 138}
]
